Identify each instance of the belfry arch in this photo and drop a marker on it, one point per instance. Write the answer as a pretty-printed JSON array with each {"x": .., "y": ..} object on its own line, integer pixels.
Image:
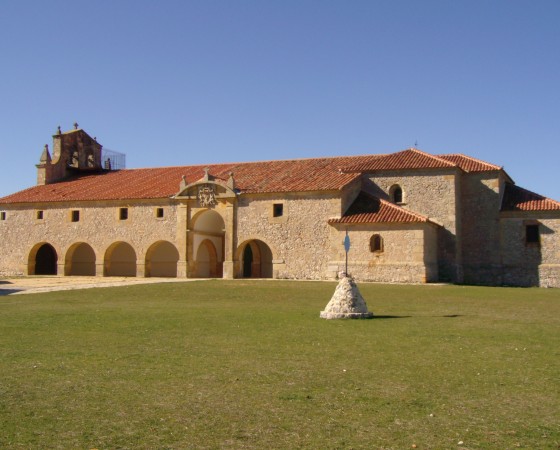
[
  {"x": 120, "y": 260},
  {"x": 161, "y": 260},
  {"x": 255, "y": 259},
  {"x": 208, "y": 241},
  {"x": 42, "y": 260},
  {"x": 80, "y": 260}
]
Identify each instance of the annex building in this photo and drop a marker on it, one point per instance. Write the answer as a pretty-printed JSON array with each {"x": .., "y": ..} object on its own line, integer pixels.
[{"x": 410, "y": 216}]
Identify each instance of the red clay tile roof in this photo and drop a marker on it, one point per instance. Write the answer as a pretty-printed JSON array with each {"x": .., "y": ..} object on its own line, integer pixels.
[
  {"x": 369, "y": 209},
  {"x": 519, "y": 199},
  {"x": 270, "y": 176},
  {"x": 301, "y": 175},
  {"x": 469, "y": 164},
  {"x": 406, "y": 159}
]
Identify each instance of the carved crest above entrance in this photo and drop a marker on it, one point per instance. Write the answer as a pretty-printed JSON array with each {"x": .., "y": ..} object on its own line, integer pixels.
[
  {"x": 206, "y": 196},
  {"x": 208, "y": 191}
]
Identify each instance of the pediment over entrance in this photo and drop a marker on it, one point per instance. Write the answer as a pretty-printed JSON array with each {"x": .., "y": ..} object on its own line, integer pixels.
[{"x": 207, "y": 191}]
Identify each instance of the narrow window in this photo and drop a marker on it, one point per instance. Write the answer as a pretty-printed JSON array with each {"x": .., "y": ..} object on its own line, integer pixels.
[
  {"x": 532, "y": 235},
  {"x": 39, "y": 215},
  {"x": 159, "y": 213},
  {"x": 2, "y": 215},
  {"x": 277, "y": 210},
  {"x": 376, "y": 243},
  {"x": 396, "y": 193},
  {"x": 75, "y": 217},
  {"x": 123, "y": 214}
]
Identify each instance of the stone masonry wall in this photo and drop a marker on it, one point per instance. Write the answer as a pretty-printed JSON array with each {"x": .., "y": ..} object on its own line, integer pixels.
[
  {"x": 530, "y": 264},
  {"x": 409, "y": 253},
  {"x": 99, "y": 226},
  {"x": 435, "y": 194},
  {"x": 481, "y": 231},
  {"x": 299, "y": 240}
]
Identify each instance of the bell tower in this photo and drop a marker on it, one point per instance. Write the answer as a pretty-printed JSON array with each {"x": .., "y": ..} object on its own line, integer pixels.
[{"x": 73, "y": 152}]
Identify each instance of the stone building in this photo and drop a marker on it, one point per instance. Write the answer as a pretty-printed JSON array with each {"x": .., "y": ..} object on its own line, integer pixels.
[{"x": 411, "y": 217}]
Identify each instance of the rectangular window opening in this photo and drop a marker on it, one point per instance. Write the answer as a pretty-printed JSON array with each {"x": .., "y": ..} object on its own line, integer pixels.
[
  {"x": 277, "y": 210},
  {"x": 2, "y": 215},
  {"x": 39, "y": 215},
  {"x": 532, "y": 235},
  {"x": 75, "y": 215},
  {"x": 123, "y": 214},
  {"x": 159, "y": 213}
]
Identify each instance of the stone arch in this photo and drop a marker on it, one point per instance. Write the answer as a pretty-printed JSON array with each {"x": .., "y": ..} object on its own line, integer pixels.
[
  {"x": 209, "y": 221},
  {"x": 43, "y": 260},
  {"x": 80, "y": 260},
  {"x": 208, "y": 244},
  {"x": 207, "y": 260},
  {"x": 120, "y": 260},
  {"x": 255, "y": 259},
  {"x": 161, "y": 260}
]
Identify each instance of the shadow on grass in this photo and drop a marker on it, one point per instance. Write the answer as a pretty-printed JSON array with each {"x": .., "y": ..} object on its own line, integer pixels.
[
  {"x": 390, "y": 317},
  {"x": 4, "y": 292},
  {"x": 406, "y": 317}
]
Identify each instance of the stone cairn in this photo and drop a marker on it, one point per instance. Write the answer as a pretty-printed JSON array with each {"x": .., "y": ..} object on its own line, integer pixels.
[{"x": 346, "y": 302}]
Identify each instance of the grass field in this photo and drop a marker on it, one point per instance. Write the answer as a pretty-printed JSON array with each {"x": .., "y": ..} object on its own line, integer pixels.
[{"x": 249, "y": 364}]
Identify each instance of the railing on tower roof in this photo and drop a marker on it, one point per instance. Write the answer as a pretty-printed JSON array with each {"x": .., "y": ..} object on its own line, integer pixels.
[{"x": 113, "y": 160}]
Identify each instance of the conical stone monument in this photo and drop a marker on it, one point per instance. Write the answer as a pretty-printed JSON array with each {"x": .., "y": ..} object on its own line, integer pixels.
[{"x": 346, "y": 302}]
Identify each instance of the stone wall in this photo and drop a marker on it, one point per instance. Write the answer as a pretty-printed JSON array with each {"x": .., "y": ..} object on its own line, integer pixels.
[
  {"x": 300, "y": 240},
  {"x": 481, "y": 203},
  {"x": 98, "y": 225},
  {"x": 408, "y": 255},
  {"x": 436, "y": 194},
  {"x": 530, "y": 264}
]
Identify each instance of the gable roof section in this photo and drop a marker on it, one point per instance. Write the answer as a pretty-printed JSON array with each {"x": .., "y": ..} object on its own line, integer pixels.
[
  {"x": 469, "y": 164},
  {"x": 411, "y": 158},
  {"x": 318, "y": 174},
  {"x": 519, "y": 199},
  {"x": 369, "y": 209},
  {"x": 299, "y": 175}
]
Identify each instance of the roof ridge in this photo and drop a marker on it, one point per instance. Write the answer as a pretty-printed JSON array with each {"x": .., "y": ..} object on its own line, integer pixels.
[
  {"x": 430, "y": 155},
  {"x": 231, "y": 163},
  {"x": 462, "y": 155},
  {"x": 400, "y": 208}
]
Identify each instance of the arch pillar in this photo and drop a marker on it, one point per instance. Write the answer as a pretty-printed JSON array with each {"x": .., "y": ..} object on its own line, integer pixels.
[
  {"x": 99, "y": 268},
  {"x": 229, "y": 242},
  {"x": 182, "y": 240},
  {"x": 182, "y": 269},
  {"x": 140, "y": 268}
]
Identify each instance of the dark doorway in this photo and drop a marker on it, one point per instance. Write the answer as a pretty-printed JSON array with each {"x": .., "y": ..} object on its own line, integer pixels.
[
  {"x": 45, "y": 260},
  {"x": 247, "y": 262}
]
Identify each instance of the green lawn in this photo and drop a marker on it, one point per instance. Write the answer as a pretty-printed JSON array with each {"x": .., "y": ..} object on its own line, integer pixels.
[{"x": 243, "y": 364}]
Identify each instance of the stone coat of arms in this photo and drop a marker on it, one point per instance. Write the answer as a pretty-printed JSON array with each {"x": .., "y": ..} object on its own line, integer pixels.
[{"x": 206, "y": 196}]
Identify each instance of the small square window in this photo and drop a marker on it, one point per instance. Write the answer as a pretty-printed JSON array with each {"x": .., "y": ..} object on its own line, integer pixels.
[
  {"x": 2, "y": 215},
  {"x": 39, "y": 215},
  {"x": 159, "y": 213},
  {"x": 532, "y": 235},
  {"x": 123, "y": 214},
  {"x": 277, "y": 210},
  {"x": 75, "y": 215}
]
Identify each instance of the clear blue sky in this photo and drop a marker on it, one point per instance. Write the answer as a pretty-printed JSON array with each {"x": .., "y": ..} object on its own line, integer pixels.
[{"x": 193, "y": 82}]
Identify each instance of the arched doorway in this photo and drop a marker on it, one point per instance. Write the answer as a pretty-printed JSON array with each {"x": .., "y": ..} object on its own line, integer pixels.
[
  {"x": 43, "y": 260},
  {"x": 120, "y": 260},
  {"x": 207, "y": 261},
  {"x": 161, "y": 260},
  {"x": 208, "y": 234},
  {"x": 80, "y": 260},
  {"x": 256, "y": 259}
]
